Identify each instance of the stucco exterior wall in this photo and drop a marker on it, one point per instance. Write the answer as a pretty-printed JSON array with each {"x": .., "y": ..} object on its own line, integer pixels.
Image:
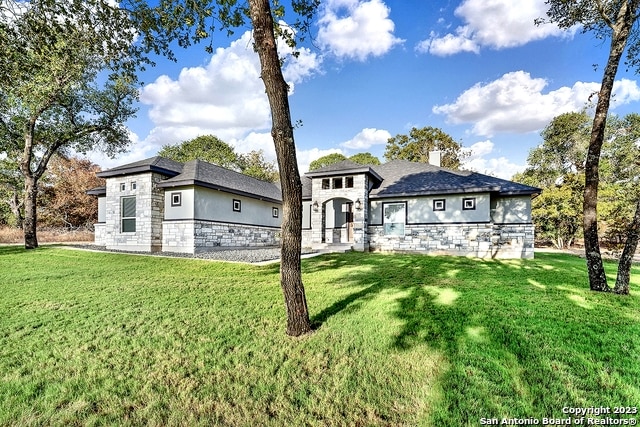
[
  {"x": 213, "y": 205},
  {"x": 193, "y": 236},
  {"x": 477, "y": 240},
  {"x": 511, "y": 210},
  {"x": 420, "y": 209},
  {"x": 149, "y": 213}
]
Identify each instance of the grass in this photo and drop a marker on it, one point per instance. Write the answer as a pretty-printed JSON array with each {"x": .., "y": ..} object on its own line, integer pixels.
[{"x": 109, "y": 339}]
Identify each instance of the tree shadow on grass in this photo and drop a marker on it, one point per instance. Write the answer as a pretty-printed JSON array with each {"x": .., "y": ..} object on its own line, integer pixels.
[{"x": 516, "y": 344}]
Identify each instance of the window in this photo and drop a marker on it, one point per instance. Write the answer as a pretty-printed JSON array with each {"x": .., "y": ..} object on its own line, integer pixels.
[
  {"x": 348, "y": 182},
  {"x": 325, "y": 184},
  {"x": 133, "y": 185},
  {"x": 394, "y": 218},
  {"x": 123, "y": 186},
  {"x": 337, "y": 182},
  {"x": 469, "y": 204},
  {"x": 439, "y": 204},
  {"x": 128, "y": 214},
  {"x": 237, "y": 205},
  {"x": 176, "y": 199},
  {"x": 275, "y": 212}
]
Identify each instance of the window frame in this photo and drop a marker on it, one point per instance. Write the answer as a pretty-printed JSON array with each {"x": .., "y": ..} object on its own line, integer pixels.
[
  {"x": 472, "y": 204},
  {"x": 176, "y": 199},
  {"x": 334, "y": 181},
  {"x": 439, "y": 205},
  {"x": 275, "y": 212},
  {"x": 128, "y": 219},
  {"x": 237, "y": 205},
  {"x": 348, "y": 182},
  {"x": 387, "y": 227}
]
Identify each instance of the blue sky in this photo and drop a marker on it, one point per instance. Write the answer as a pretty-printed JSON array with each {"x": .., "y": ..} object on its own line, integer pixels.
[{"x": 480, "y": 70}]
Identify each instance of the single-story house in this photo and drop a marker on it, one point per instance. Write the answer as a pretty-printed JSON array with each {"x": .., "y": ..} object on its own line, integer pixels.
[{"x": 161, "y": 205}]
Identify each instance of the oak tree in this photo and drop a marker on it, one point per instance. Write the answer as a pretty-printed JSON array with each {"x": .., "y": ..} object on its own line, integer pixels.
[
  {"x": 608, "y": 19},
  {"x": 66, "y": 83},
  {"x": 419, "y": 143}
]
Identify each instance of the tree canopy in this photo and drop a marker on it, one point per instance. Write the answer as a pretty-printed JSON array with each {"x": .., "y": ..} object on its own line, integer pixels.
[
  {"x": 213, "y": 150},
  {"x": 419, "y": 143},
  {"x": 56, "y": 96},
  {"x": 206, "y": 147},
  {"x": 615, "y": 20}
]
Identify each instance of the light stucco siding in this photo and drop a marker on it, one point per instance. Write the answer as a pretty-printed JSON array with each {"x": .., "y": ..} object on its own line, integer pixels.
[
  {"x": 213, "y": 205},
  {"x": 511, "y": 210},
  {"x": 420, "y": 209},
  {"x": 185, "y": 208}
]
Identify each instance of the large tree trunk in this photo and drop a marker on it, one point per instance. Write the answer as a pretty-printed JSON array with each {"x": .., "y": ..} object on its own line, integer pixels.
[
  {"x": 620, "y": 34},
  {"x": 30, "y": 216},
  {"x": 282, "y": 132},
  {"x": 630, "y": 246}
]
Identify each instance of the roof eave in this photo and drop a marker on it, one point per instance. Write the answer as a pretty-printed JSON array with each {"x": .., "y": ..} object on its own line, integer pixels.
[
  {"x": 345, "y": 172},
  {"x": 135, "y": 170},
  {"x": 189, "y": 182}
]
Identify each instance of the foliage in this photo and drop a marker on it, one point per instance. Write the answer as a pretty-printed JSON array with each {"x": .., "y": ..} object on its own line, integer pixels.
[
  {"x": 416, "y": 146},
  {"x": 327, "y": 160},
  {"x": 110, "y": 339},
  {"x": 207, "y": 147},
  {"x": 213, "y": 150},
  {"x": 64, "y": 199},
  {"x": 557, "y": 166},
  {"x": 616, "y": 20},
  {"x": 54, "y": 97},
  {"x": 254, "y": 164},
  {"x": 557, "y": 212},
  {"x": 365, "y": 159}
]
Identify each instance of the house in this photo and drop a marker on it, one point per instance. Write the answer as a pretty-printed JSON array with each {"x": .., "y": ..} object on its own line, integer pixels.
[{"x": 161, "y": 205}]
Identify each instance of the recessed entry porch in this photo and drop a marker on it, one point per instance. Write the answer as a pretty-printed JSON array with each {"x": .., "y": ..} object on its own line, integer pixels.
[{"x": 337, "y": 221}]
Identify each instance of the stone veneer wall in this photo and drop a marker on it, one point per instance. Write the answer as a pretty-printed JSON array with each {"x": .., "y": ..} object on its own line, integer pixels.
[
  {"x": 149, "y": 213},
  {"x": 480, "y": 240},
  {"x": 99, "y": 234},
  {"x": 192, "y": 236}
]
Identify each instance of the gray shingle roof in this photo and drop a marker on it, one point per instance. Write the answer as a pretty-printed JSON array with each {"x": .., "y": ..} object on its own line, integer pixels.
[
  {"x": 404, "y": 178},
  {"x": 199, "y": 172},
  {"x": 154, "y": 164}
]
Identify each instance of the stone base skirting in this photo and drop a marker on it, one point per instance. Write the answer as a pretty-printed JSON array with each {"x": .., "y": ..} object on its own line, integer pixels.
[
  {"x": 99, "y": 232},
  {"x": 192, "y": 236},
  {"x": 477, "y": 240}
]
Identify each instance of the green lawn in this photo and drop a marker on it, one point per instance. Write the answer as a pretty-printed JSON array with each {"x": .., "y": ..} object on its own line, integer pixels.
[{"x": 109, "y": 339}]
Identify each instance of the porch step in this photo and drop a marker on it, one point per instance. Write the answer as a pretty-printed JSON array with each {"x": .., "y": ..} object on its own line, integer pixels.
[{"x": 333, "y": 247}]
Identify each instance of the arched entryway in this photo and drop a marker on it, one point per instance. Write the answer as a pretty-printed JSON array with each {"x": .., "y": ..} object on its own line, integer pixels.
[{"x": 338, "y": 220}]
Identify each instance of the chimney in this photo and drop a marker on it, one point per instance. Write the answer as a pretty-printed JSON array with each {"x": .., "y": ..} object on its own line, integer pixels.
[{"x": 434, "y": 158}]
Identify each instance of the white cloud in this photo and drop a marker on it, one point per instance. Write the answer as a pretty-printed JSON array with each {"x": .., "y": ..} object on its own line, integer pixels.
[
  {"x": 305, "y": 157},
  {"x": 225, "y": 97},
  {"x": 500, "y": 167},
  {"x": 516, "y": 103},
  {"x": 356, "y": 29},
  {"x": 367, "y": 138},
  {"x": 496, "y": 24}
]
